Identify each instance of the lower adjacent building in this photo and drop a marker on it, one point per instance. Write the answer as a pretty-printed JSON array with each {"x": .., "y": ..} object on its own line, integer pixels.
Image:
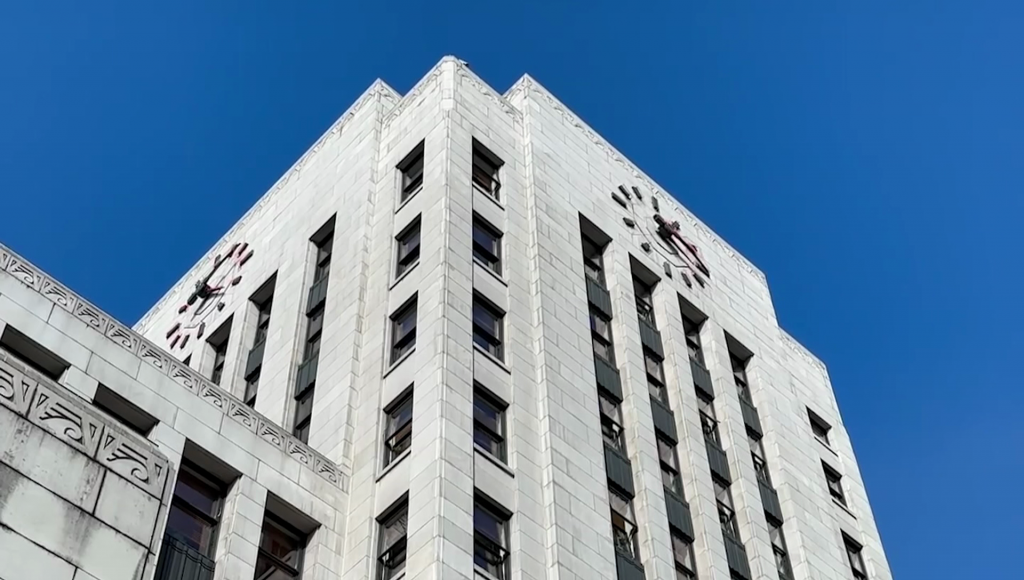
[{"x": 463, "y": 337}]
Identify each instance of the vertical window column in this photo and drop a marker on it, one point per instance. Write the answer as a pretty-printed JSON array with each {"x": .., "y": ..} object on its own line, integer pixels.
[
  {"x": 263, "y": 300},
  {"x": 305, "y": 384}
]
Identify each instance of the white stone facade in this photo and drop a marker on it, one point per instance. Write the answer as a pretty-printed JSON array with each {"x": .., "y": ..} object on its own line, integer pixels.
[{"x": 553, "y": 482}]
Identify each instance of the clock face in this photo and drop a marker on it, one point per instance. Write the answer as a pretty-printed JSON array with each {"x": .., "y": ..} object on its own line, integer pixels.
[
  {"x": 662, "y": 237},
  {"x": 209, "y": 295}
]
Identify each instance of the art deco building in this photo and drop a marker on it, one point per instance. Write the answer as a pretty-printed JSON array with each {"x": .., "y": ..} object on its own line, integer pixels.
[{"x": 463, "y": 337}]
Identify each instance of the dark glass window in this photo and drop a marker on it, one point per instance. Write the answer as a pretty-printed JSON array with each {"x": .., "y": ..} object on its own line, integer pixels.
[
  {"x": 485, "y": 172},
  {"x": 726, "y": 511},
  {"x": 196, "y": 509},
  {"x": 854, "y": 557},
  {"x": 623, "y": 525},
  {"x": 682, "y": 550},
  {"x": 490, "y": 538},
  {"x": 644, "y": 300},
  {"x": 489, "y": 423},
  {"x": 670, "y": 467},
  {"x": 655, "y": 377},
  {"x": 593, "y": 261},
  {"x": 403, "y": 331},
  {"x": 601, "y": 332},
  {"x": 835, "y": 483},
  {"x": 739, "y": 375},
  {"x": 611, "y": 422},
  {"x": 412, "y": 172},
  {"x": 398, "y": 428},
  {"x": 487, "y": 245},
  {"x": 693, "y": 344},
  {"x": 252, "y": 387},
  {"x": 303, "y": 414},
  {"x": 408, "y": 243},
  {"x": 778, "y": 540},
  {"x": 323, "y": 258},
  {"x": 280, "y": 551},
  {"x": 391, "y": 551},
  {"x": 313, "y": 330},
  {"x": 708, "y": 420},
  {"x": 819, "y": 427},
  {"x": 757, "y": 456},
  {"x": 263, "y": 320},
  {"x": 487, "y": 327},
  {"x": 220, "y": 353}
]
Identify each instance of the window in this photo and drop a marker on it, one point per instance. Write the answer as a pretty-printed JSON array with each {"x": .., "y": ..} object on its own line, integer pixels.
[
  {"x": 779, "y": 548},
  {"x": 485, "y": 171},
  {"x": 263, "y": 319},
  {"x": 313, "y": 331},
  {"x": 611, "y": 422},
  {"x": 708, "y": 421},
  {"x": 34, "y": 355},
  {"x": 398, "y": 428},
  {"x": 692, "y": 331},
  {"x": 195, "y": 509},
  {"x": 489, "y": 423},
  {"x": 252, "y": 386},
  {"x": 412, "y": 172},
  {"x": 487, "y": 327},
  {"x": 323, "y": 257},
  {"x": 623, "y": 525},
  {"x": 670, "y": 467},
  {"x": 593, "y": 261},
  {"x": 739, "y": 375},
  {"x": 726, "y": 512},
  {"x": 757, "y": 455},
  {"x": 124, "y": 411},
  {"x": 391, "y": 550},
  {"x": 835, "y": 483},
  {"x": 655, "y": 377},
  {"x": 601, "y": 332},
  {"x": 819, "y": 427},
  {"x": 220, "y": 352},
  {"x": 853, "y": 555},
  {"x": 280, "y": 551},
  {"x": 403, "y": 330},
  {"x": 644, "y": 300},
  {"x": 487, "y": 245},
  {"x": 408, "y": 244},
  {"x": 682, "y": 549},
  {"x": 303, "y": 415},
  {"x": 490, "y": 538}
]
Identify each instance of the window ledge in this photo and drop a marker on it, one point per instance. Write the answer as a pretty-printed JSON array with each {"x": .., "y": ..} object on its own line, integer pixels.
[
  {"x": 493, "y": 358},
  {"x": 403, "y": 276},
  {"x": 490, "y": 457},
  {"x": 827, "y": 446},
  {"x": 404, "y": 203},
  {"x": 493, "y": 274},
  {"x": 398, "y": 362},
  {"x": 394, "y": 463},
  {"x": 842, "y": 507},
  {"x": 484, "y": 574},
  {"x": 488, "y": 195}
]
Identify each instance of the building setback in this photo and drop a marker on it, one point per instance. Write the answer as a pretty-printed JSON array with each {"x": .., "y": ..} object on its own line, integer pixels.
[{"x": 463, "y": 337}]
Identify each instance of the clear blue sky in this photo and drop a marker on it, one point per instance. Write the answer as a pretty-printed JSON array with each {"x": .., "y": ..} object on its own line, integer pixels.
[{"x": 868, "y": 159}]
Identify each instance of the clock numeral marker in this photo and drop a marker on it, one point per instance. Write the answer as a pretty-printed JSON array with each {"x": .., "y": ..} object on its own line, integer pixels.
[
  {"x": 245, "y": 258},
  {"x": 183, "y": 308},
  {"x": 173, "y": 329},
  {"x": 175, "y": 341},
  {"x": 184, "y": 341},
  {"x": 202, "y": 329},
  {"x": 637, "y": 192},
  {"x": 622, "y": 189},
  {"x": 236, "y": 280}
]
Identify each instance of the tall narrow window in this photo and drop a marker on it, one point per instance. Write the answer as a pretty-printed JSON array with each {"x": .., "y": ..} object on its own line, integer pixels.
[
  {"x": 739, "y": 375},
  {"x": 623, "y": 525},
  {"x": 682, "y": 550},
  {"x": 611, "y": 422},
  {"x": 391, "y": 552},
  {"x": 670, "y": 467},
  {"x": 488, "y": 323},
  {"x": 601, "y": 334},
  {"x": 708, "y": 420},
  {"x": 263, "y": 319},
  {"x": 835, "y": 483},
  {"x": 263, "y": 300},
  {"x": 819, "y": 427},
  {"x": 403, "y": 330},
  {"x": 195, "y": 509},
  {"x": 726, "y": 511},
  {"x": 757, "y": 456},
  {"x": 490, "y": 538},
  {"x": 593, "y": 261},
  {"x": 489, "y": 423},
  {"x": 693, "y": 345},
  {"x": 655, "y": 377},
  {"x": 303, "y": 414},
  {"x": 779, "y": 548},
  {"x": 854, "y": 557},
  {"x": 280, "y": 552},
  {"x": 323, "y": 257},
  {"x": 408, "y": 248},
  {"x": 485, "y": 171},
  {"x": 218, "y": 342},
  {"x": 412, "y": 173},
  {"x": 398, "y": 428},
  {"x": 313, "y": 332},
  {"x": 487, "y": 245},
  {"x": 644, "y": 300},
  {"x": 252, "y": 388}
]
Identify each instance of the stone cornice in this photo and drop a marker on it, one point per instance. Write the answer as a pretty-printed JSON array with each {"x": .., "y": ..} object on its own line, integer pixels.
[
  {"x": 527, "y": 83},
  {"x": 378, "y": 91},
  {"x": 131, "y": 341},
  {"x": 801, "y": 350}
]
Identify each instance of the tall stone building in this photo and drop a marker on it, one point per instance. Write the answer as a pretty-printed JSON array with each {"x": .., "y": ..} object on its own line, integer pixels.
[{"x": 463, "y": 337}]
